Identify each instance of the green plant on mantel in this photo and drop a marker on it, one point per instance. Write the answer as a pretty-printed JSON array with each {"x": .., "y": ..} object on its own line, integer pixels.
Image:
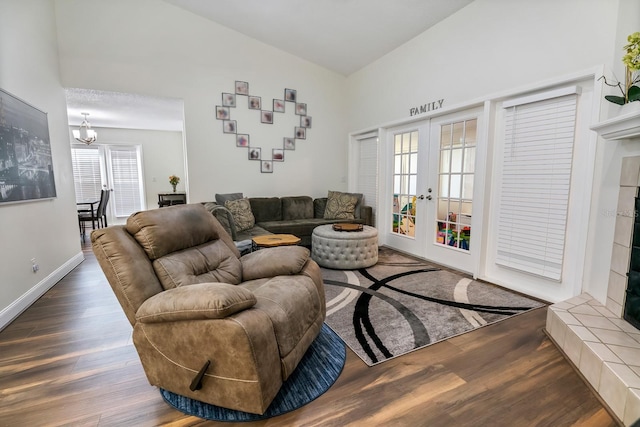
[{"x": 631, "y": 60}]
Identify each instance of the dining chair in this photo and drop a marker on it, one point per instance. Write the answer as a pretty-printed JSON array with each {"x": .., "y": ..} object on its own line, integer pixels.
[{"x": 98, "y": 217}]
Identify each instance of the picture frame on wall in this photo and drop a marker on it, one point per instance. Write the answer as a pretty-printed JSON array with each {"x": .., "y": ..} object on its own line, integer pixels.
[
  {"x": 228, "y": 99},
  {"x": 266, "y": 116},
  {"x": 25, "y": 152},
  {"x": 277, "y": 154},
  {"x": 290, "y": 95},
  {"x": 305, "y": 122},
  {"x": 222, "y": 113},
  {"x": 266, "y": 166},
  {"x": 255, "y": 153},
  {"x": 289, "y": 143},
  {"x": 278, "y": 106},
  {"x": 229, "y": 126},
  {"x": 242, "y": 88},
  {"x": 301, "y": 109},
  {"x": 255, "y": 103},
  {"x": 242, "y": 140},
  {"x": 301, "y": 133}
]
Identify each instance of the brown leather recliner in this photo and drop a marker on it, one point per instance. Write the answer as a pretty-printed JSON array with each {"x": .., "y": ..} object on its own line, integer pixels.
[{"x": 192, "y": 299}]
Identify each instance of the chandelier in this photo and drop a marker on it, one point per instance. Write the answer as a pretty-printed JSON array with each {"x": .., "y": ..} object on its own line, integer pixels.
[{"x": 85, "y": 133}]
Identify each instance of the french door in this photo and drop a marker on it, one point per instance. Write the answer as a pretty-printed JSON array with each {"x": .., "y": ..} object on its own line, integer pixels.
[{"x": 432, "y": 176}]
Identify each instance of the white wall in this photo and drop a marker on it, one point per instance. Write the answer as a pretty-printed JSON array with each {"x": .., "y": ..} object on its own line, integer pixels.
[
  {"x": 162, "y": 155},
  {"x": 607, "y": 170},
  {"x": 46, "y": 230},
  {"x": 487, "y": 47},
  {"x": 486, "y": 50},
  {"x": 153, "y": 48}
]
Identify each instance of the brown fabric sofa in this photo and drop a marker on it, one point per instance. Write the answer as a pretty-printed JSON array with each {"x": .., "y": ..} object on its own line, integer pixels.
[
  {"x": 297, "y": 215},
  {"x": 191, "y": 298}
]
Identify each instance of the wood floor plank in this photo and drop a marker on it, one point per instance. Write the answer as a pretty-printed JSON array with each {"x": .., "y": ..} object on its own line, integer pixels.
[{"x": 69, "y": 360}]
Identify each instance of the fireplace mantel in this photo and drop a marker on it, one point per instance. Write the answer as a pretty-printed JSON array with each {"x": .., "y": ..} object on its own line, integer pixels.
[{"x": 625, "y": 125}]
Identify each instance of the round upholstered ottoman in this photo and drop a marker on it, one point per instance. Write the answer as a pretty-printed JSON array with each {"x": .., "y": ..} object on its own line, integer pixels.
[{"x": 344, "y": 250}]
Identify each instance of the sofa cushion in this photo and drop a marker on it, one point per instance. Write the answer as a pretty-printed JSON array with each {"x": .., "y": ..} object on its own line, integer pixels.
[
  {"x": 340, "y": 205},
  {"x": 210, "y": 262},
  {"x": 266, "y": 208},
  {"x": 221, "y": 199},
  {"x": 299, "y": 227},
  {"x": 299, "y": 207},
  {"x": 242, "y": 215}
]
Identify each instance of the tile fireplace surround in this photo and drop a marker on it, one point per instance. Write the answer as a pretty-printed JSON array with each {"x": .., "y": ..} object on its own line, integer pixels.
[{"x": 594, "y": 337}]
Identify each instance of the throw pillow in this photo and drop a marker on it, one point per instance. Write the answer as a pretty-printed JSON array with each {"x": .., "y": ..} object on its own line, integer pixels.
[
  {"x": 340, "y": 205},
  {"x": 242, "y": 216}
]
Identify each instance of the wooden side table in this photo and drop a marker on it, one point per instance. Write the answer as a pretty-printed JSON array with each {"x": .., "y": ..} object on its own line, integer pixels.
[{"x": 274, "y": 240}]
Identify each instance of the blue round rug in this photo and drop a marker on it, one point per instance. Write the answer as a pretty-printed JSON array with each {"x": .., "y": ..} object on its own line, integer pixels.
[{"x": 319, "y": 368}]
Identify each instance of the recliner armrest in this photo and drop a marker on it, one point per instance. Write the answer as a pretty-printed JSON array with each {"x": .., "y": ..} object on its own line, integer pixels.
[
  {"x": 271, "y": 262},
  {"x": 195, "y": 302}
]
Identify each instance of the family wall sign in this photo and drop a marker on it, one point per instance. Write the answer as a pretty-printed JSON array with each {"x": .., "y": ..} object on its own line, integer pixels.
[{"x": 425, "y": 108}]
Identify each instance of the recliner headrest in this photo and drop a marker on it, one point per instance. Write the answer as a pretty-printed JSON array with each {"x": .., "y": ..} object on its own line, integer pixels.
[{"x": 170, "y": 229}]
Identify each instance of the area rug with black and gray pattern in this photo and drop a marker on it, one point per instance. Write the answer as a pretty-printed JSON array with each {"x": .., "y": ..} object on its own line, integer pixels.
[{"x": 402, "y": 304}]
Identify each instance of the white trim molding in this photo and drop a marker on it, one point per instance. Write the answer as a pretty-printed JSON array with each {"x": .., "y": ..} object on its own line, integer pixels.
[{"x": 9, "y": 313}]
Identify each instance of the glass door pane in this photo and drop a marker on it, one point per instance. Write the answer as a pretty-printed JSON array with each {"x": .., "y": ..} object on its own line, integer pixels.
[
  {"x": 405, "y": 183},
  {"x": 455, "y": 183}
]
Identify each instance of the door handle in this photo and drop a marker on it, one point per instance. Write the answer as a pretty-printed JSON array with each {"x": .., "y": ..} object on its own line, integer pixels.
[
  {"x": 429, "y": 197},
  {"x": 421, "y": 197}
]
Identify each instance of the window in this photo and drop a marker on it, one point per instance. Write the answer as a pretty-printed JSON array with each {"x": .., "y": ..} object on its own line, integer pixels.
[
  {"x": 87, "y": 172},
  {"x": 536, "y": 176},
  {"x": 455, "y": 183},
  {"x": 117, "y": 167},
  {"x": 405, "y": 178}
]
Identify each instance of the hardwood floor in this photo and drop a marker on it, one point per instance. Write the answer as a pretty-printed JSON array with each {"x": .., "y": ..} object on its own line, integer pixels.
[{"x": 69, "y": 360}]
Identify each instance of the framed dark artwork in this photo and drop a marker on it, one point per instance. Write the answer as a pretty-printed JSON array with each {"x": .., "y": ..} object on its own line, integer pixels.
[
  {"x": 278, "y": 106},
  {"x": 301, "y": 133},
  {"x": 229, "y": 126},
  {"x": 255, "y": 103},
  {"x": 305, "y": 121},
  {"x": 289, "y": 143},
  {"x": 277, "y": 154},
  {"x": 26, "y": 167},
  {"x": 242, "y": 88},
  {"x": 242, "y": 140},
  {"x": 290, "y": 95},
  {"x": 222, "y": 113},
  {"x": 228, "y": 100},
  {"x": 266, "y": 166},
  {"x": 255, "y": 153},
  {"x": 266, "y": 117},
  {"x": 301, "y": 109}
]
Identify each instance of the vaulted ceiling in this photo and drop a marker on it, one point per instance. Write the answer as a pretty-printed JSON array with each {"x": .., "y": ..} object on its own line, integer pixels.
[{"x": 340, "y": 35}]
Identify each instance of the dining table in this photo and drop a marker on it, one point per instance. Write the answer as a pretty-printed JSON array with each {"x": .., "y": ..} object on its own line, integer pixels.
[{"x": 92, "y": 208}]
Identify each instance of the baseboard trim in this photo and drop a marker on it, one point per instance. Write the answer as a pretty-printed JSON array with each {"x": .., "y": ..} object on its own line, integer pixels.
[{"x": 13, "y": 310}]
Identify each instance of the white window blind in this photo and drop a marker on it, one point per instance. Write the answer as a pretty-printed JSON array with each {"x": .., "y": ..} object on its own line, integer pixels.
[
  {"x": 536, "y": 178},
  {"x": 125, "y": 180},
  {"x": 368, "y": 172},
  {"x": 86, "y": 173}
]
